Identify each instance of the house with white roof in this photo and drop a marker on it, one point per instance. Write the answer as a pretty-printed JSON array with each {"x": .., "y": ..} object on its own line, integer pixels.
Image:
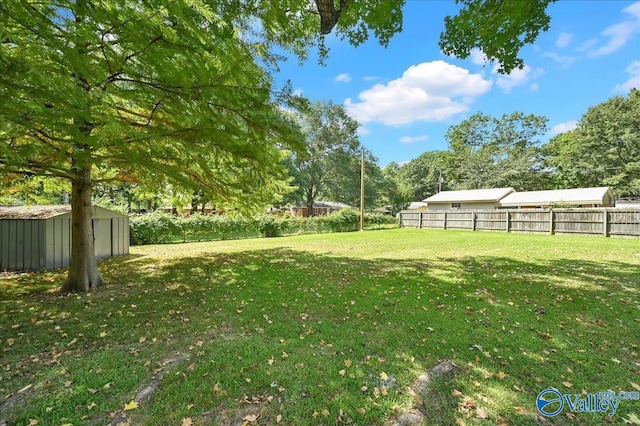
[
  {"x": 470, "y": 199},
  {"x": 577, "y": 197}
]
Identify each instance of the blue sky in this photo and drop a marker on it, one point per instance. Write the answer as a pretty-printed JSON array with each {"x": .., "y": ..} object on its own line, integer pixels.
[{"x": 407, "y": 95}]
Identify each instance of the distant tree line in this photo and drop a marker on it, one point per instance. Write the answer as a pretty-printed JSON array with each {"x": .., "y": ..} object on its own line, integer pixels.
[{"x": 483, "y": 152}]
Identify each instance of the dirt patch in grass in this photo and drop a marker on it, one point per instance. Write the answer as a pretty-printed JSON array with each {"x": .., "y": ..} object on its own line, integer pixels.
[{"x": 433, "y": 393}]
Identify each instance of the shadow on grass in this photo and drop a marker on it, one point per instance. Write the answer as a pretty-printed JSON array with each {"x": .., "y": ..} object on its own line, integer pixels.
[{"x": 511, "y": 324}]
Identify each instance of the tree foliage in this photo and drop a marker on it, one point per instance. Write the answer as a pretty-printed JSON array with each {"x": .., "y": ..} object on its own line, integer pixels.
[
  {"x": 395, "y": 194},
  {"x": 170, "y": 88},
  {"x": 421, "y": 176},
  {"x": 331, "y": 158},
  {"x": 499, "y": 28},
  {"x": 487, "y": 152},
  {"x": 604, "y": 149}
]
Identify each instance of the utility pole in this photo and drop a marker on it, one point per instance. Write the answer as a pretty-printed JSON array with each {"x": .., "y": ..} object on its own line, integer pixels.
[{"x": 362, "y": 191}]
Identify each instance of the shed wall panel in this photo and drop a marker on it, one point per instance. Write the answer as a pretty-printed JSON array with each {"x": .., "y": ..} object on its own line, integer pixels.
[
  {"x": 41, "y": 247},
  {"x": 19, "y": 244},
  {"x": 12, "y": 238},
  {"x": 4, "y": 244}
]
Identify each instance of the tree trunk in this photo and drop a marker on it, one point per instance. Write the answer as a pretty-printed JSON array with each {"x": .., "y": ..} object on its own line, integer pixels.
[
  {"x": 83, "y": 275},
  {"x": 310, "y": 207}
]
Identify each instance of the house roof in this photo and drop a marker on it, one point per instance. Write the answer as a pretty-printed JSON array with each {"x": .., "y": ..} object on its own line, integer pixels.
[
  {"x": 469, "y": 195},
  {"x": 416, "y": 205},
  {"x": 48, "y": 211},
  {"x": 558, "y": 196},
  {"x": 333, "y": 204}
]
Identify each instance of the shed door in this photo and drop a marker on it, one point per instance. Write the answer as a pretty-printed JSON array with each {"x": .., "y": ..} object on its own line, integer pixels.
[{"x": 102, "y": 237}]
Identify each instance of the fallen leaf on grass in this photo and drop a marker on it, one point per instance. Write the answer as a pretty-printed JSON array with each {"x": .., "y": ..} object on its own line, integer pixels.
[
  {"x": 384, "y": 376},
  {"x": 568, "y": 384},
  {"x": 482, "y": 413},
  {"x": 342, "y": 372},
  {"x": 130, "y": 406},
  {"x": 457, "y": 393},
  {"x": 278, "y": 418},
  {"x": 26, "y": 388},
  {"x": 187, "y": 421},
  {"x": 635, "y": 386},
  {"x": 347, "y": 363},
  {"x": 632, "y": 420}
]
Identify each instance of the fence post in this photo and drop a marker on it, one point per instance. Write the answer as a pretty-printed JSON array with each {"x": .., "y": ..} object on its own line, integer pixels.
[
  {"x": 508, "y": 221},
  {"x": 551, "y": 222},
  {"x": 444, "y": 220},
  {"x": 605, "y": 223},
  {"x": 420, "y": 220},
  {"x": 473, "y": 221}
]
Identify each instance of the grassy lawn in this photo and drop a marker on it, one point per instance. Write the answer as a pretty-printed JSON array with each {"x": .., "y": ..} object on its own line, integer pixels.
[{"x": 327, "y": 329}]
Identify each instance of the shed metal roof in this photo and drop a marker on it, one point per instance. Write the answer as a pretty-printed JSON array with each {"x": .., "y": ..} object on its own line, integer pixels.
[
  {"x": 33, "y": 212},
  {"x": 598, "y": 195},
  {"x": 469, "y": 195},
  {"x": 47, "y": 211}
]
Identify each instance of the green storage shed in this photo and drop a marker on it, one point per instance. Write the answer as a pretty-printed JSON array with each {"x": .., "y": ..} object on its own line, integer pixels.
[{"x": 39, "y": 237}]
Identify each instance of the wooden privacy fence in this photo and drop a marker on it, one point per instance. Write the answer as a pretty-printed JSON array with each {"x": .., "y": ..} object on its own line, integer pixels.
[{"x": 607, "y": 222}]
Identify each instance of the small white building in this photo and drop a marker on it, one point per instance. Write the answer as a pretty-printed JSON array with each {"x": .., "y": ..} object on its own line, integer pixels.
[
  {"x": 471, "y": 199},
  {"x": 577, "y": 197}
]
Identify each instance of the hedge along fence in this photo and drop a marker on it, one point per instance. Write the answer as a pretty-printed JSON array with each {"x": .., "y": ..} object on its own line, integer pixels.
[
  {"x": 597, "y": 221},
  {"x": 159, "y": 227}
]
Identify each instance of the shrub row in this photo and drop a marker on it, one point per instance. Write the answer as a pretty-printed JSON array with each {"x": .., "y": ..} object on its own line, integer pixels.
[{"x": 159, "y": 227}]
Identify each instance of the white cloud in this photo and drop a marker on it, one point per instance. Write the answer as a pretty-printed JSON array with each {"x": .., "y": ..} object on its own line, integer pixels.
[
  {"x": 564, "y": 61},
  {"x": 297, "y": 92},
  {"x": 430, "y": 91},
  {"x": 412, "y": 139},
  {"x": 619, "y": 34},
  {"x": 478, "y": 57},
  {"x": 534, "y": 87},
  {"x": 634, "y": 78},
  {"x": 587, "y": 45},
  {"x": 564, "y": 39},
  {"x": 342, "y": 78},
  {"x": 363, "y": 131},
  {"x": 563, "y": 127},
  {"x": 371, "y": 78},
  {"x": 517, "y": 77}
]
